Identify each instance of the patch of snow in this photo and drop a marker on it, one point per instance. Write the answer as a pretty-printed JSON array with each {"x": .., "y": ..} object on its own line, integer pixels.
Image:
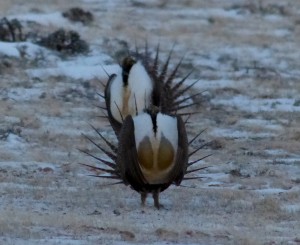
[
  {"x": 156, "y": 243},
  {"x": 225, "y": 13},
  {"x": 85, "y": 72},
  {"x": 269, "y": 124},
  {"x": 61, "y": 126},
  {"x": 25, "y": 94},
  {"x": 222, "y": 83},
  {"x": 214, "y": 183},
  {"x": 209, "y": 84},
  {"x": 206, "y": 13},
  {"x": 281, "y": 33},
  {"x": 291, "y": 208},
  {"x": 18, "y": 49},
  {"x": 286, "y": 160},
  {"x": 216, "y": 180},
  {"x": 233, "y": 133},
  {"x": 19, "y": 165},
  {"x": 96, "y": 59},
  {"x": 215, "y": 176},
  {"x": 271, "y": 191},
  {"x": 252, "y": 53},
  {"x": 49, "y": 241},
  {"x": 256, "y": 105},
  {"x": 273, "y": 17},
  {"x": 11, "y": 119},
  {"x": 276, "y": 152},
  {"x": 206, "y": 62},
  {"x": 9, "y": 49},
  {"x": 11, "y": 185},
  {"x": 14, "y": 141},
  {"x": 54, "y": 18}
]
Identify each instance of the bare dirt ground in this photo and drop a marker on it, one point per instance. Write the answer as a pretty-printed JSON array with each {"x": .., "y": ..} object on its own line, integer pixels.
[{"x": 246, "y": 57}]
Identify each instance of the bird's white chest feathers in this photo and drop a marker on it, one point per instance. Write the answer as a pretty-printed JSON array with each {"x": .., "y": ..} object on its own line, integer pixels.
[
  {"x": 140, "y": 86},
  {"x": 133, "y": 98},
  {"x": 116, "y": 98},
  {"x": 156, "y": 152}
]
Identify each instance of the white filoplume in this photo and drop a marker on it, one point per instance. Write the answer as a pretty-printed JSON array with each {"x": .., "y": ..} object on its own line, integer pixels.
[{"x": 133, "y": 98}]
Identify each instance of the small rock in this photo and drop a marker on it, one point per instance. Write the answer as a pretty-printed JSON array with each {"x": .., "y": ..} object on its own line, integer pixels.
[
  {"x": 79, "y": 15},
  {"x": 127, "y": 235},
  {"x": 96, "y": 212},
  {"x": 46, "y": 170},
  {"x": 67, "y": 42}
]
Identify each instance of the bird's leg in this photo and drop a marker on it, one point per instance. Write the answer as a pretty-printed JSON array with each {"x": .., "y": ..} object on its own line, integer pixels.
[
  {"x": 143, "y": 198},
  {"x": 155, "y": 195}
]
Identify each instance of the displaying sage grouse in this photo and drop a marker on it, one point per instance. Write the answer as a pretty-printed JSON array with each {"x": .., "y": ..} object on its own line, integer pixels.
[{"x": 144, "y": 108}]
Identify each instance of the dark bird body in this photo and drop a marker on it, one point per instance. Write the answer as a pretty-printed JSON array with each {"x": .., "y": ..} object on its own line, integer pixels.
[
  {"x": 152, "y": 162},
  {"x": 143, "y": 105}
]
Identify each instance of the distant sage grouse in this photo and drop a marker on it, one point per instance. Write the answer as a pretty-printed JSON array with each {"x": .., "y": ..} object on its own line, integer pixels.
[{"x": 144, "y": 106}]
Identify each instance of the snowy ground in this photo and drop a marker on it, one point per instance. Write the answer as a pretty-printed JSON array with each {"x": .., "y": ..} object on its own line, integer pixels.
[{"x": 246, "y": 55}]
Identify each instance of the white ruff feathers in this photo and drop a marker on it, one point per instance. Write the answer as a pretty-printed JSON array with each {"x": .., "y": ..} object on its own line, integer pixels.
[
  {"x": 116, "y": 97},
  {"x": 142, "y": 127},
  {"x": 133, "y": 98},
  {"x": 140, "y": 86},
  {"x": 167, "y": 127}
]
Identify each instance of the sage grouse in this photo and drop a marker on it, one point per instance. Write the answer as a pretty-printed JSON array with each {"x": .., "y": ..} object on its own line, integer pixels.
[{"x": 144, "y": 106}]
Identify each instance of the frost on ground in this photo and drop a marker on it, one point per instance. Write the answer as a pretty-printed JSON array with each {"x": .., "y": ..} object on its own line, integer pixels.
[{"x": 246, "y": 57}]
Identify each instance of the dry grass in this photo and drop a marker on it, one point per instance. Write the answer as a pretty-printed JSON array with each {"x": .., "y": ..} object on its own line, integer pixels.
[{"x": 45, "y": 194}]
